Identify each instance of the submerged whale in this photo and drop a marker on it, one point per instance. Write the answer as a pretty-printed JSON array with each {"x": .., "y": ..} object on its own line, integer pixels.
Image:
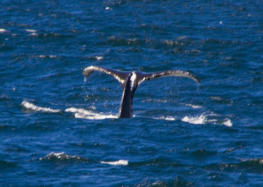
[{"x": 131, "y": 80}]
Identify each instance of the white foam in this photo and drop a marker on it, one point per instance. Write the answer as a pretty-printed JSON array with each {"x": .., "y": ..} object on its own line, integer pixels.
[
  {"x": 36, "y": 108},
  {"x": 197, "y": 120},
  {"x": 87, "y": 114},
  {"x": 52, "y": 56},
  {"x": 42, "y": 56},
  {"x": 2, "y": 30},
  {"x": 167, "y": 118},
  {"x": 60, "y": 156},
  {"x": 116, "y": 163},
  {"x": 207, "y": 118}
]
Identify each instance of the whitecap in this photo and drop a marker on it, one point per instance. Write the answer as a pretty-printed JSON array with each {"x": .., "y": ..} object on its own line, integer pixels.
[
  {"x": 31, "y": 106},
  {"x": 197, "y": 120},
  {"x": 207, "y": 118},
  {"x": 87, "y": 114},
  {"x": 2, "y": 30},
  {"x": 116, "y": 163},
  {"x": 59, "y": 156}
]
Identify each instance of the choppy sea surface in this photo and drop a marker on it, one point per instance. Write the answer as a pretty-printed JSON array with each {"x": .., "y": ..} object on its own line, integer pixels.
[{"x": 58, "y": 130}]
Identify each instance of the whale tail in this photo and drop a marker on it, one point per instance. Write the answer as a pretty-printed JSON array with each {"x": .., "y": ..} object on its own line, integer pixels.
[{"x": 130, "y": 81}]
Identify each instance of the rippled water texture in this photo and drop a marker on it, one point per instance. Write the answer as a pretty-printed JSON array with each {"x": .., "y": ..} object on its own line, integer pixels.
[{"x": 57, "y": 129}]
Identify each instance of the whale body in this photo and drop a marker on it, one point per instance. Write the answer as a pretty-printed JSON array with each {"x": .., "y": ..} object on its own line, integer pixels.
[{"x": 131, "y": 80}]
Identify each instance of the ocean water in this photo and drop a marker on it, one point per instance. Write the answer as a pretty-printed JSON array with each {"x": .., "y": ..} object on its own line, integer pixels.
[{"x": 58, "y": 130}]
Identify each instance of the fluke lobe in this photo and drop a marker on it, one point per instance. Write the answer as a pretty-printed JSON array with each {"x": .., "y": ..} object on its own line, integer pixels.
[{"x": 130, "y": 81}]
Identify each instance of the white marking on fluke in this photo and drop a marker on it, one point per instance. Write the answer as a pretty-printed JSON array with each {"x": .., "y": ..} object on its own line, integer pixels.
[{"x": 133, "y": 78}]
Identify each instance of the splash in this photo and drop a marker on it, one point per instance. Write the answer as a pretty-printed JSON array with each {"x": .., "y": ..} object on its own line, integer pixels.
[
  {"x": 31, "y": 106},
  {"x": 197, "y": 120},
  {"x": 116, "y": 163},
  {"x": 207, "y": 118},
  {"x": 227, "y": 122},
  {"x": 87, "y": 114}
]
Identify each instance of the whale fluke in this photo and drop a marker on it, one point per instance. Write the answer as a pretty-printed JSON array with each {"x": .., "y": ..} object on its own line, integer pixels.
[
  {"x": 130, "y": 82},
  {"x": 177, "y": 73},
  {"x": 120, "y": 76}
]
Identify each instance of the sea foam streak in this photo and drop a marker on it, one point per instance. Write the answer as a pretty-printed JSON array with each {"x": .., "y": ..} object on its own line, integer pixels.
[
  {"x": 31, "y": 30},
  {"x": 87, "y": 114},
  {"x": 78, "y": 112},
  {"x": 31, "y": 106},
  {"x": 116, "y": 163},
  {"x": 166, "y": 118}
]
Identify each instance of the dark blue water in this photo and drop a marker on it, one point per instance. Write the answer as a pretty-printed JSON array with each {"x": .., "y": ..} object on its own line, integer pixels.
[{"x": 57, "y": 129}]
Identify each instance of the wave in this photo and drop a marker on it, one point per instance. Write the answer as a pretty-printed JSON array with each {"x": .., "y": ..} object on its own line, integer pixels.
[
  {"x": 33, "y": 107},
  {"x": 91, "y": 115},
  {"x": 254, "y": 165},
  {"x": 177, "y": 181},
  {"x": 116, "y": 163},
  {"x": 87, "y": 114},
  {"x": 193, "y": 106},
  {"x": 6, "y": 164},
  {"x": 60, "y": 156},
  {"x": 158, "y": 161}
]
